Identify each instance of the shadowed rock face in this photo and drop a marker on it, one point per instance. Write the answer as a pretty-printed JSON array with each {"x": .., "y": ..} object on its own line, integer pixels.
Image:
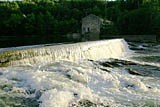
[
  {"x": 11, "y": 101},
  {"x": 87, "y": 103},
  {"x": 116, "y": 63},
  {"x": 10, "y": 97},
  {"x": 131, "y": 67}
]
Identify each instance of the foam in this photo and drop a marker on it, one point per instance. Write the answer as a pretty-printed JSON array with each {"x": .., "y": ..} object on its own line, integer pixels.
[{"x": 115, "y": 48}]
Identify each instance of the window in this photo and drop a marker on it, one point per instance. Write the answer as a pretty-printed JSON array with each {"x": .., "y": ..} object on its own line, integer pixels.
[{"x": 88, "y": 29}]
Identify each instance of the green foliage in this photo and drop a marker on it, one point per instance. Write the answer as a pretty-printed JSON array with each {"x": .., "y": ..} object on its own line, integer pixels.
[
  {"x": 130, "y": 4},
  {"x": 132, "y": 23},
  {"x": 46, "y": 17},
  {"x": 156, "y": 26},
  {"x": 138, "y": 17},
  {"x": 108, "y": 29},
  {"x": 59, "y": 17}
]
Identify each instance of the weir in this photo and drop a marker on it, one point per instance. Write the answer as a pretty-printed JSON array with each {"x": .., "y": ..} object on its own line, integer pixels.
[{"x": 94, "y": 50}]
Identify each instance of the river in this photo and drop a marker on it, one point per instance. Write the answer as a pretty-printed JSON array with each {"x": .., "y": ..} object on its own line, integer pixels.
[{"x": 104, "y": 74}]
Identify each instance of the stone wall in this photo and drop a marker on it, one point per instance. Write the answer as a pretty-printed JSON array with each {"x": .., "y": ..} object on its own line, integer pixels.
[{"x": 91, "y": 23}]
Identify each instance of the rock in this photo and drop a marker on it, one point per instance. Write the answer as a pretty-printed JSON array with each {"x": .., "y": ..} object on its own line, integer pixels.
[
  {"x": 133, "y": 72},
  {"x": 104, "y": 69},
  {"x": 2, "y": 103},
  {"x": 106, "y": 64},
  {"x": 38, "y": 94},
  {"x": 116, "y": 63},
  {"x": 87, "y": 103},
  {"x": 149, "y": 87},
  {"x": 68, "y": 76},
  {"x": 75, "y": 94},
  {"x": 11, "y": 100},
  {"x": 130, "y": 86}
]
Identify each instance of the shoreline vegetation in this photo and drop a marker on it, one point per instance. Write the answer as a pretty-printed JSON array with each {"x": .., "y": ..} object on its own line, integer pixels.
[{"x": 51, "y": 20}]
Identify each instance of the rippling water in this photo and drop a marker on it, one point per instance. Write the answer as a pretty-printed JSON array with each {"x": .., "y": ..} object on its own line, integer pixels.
[{"x": 130, "y": 81}]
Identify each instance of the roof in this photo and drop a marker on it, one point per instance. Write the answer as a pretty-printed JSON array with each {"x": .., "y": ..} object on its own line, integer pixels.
[{"x": 92, "y": 16}]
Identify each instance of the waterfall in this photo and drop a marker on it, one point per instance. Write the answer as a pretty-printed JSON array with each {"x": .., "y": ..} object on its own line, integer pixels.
[{"x": 94, "y": 50}]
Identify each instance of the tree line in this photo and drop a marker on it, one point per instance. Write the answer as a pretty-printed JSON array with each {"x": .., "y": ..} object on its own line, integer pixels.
[{"x": 59, "y": 17}]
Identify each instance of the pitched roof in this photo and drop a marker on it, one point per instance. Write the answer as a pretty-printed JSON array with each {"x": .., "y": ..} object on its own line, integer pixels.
[{"x": 91, "y": 16}]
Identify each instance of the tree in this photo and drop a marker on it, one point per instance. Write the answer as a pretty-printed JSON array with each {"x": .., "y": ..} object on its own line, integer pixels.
[
  {"x": 136, "y": 22},
  {"x": 30, "y": 24},
  {"x": 156, "y": 26}
]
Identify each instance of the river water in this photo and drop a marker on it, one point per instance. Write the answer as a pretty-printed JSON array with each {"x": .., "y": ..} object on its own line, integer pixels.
[{"x": 130, "y": 80}]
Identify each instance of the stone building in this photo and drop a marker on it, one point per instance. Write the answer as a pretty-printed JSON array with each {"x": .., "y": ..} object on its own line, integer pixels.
[{"x": 91, "y": 27}]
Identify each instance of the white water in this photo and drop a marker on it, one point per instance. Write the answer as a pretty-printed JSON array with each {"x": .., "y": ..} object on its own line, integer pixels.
[
  {"x": 73, "y": 52},
  {"x": 68, "y": 79}
]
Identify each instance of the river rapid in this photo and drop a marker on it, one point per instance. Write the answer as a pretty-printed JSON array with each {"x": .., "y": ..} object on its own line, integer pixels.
[{"x": 128, "y": 80}]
